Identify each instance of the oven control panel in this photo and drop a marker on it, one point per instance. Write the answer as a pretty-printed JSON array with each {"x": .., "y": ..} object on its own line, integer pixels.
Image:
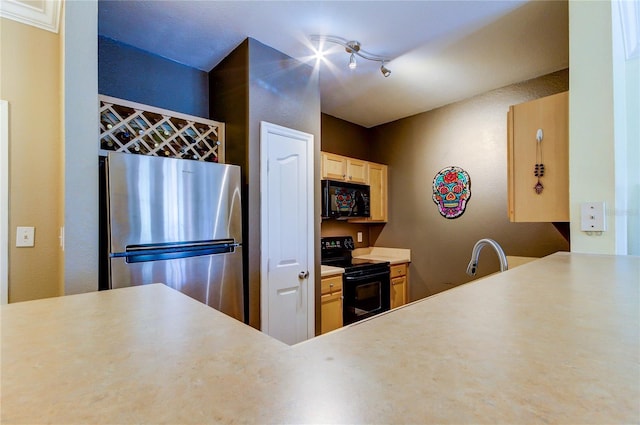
[{"x": 337, "y": 242}]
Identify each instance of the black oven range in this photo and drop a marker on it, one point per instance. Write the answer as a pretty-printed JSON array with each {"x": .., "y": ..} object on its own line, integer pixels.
[{"x": 365, "y": 283}]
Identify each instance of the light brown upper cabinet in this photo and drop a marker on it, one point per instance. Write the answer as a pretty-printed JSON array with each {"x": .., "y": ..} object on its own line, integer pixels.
[
  {"x": 538, "y": 137},
  {"x": 377, "y": 181},
  {"x": 334, "y": 167},
  {"x": 342, "y": 168},
  {"x": 357, "y": 171}
]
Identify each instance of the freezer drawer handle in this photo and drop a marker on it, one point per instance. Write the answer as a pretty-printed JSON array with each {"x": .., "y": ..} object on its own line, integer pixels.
[{"x": 170, "y": 251}]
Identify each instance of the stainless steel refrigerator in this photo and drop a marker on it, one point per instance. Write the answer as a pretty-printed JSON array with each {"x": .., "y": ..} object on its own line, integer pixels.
[{"x": 177, "y": 222}]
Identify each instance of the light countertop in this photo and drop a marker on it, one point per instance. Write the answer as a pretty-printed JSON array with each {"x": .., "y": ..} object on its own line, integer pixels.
[
  {"x": 330, "y": 271},
  {"x": 392, "y": 255},
  {"x": 556, "y": 340}
]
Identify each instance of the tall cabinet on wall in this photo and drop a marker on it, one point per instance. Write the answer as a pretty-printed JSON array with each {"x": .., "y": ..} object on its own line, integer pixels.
[
  {"x": 538, "y": 160},
  {"x": 342, "y": 168},
  {"x": 377, "y": 180}
]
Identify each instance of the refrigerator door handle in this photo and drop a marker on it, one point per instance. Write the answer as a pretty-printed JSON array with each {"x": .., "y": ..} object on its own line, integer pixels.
[{"x": 169, "y": 251}]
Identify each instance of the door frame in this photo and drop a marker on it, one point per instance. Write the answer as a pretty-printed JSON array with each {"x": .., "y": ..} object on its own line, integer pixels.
[
  {"x": 267, "y": 128},
  {"x": 4, "y": 200}
]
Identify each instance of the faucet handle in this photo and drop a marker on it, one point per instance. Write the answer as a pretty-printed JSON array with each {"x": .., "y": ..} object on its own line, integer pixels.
[{"x": 472, "y": 268}]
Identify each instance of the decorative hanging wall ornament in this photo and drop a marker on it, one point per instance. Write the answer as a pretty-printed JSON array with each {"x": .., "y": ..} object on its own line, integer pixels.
[
  {"x": 538, "y": 169},
  {"x": 451, "y": 191}
]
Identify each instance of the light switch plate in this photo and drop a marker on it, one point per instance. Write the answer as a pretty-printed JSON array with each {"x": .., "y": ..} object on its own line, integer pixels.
[
  {"x": 592, "y": 218},
  {"x": 25, "y": 237}
]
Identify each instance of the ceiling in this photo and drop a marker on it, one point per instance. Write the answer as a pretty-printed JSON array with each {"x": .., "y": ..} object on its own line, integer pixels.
[{"x": 442, "y": 51}]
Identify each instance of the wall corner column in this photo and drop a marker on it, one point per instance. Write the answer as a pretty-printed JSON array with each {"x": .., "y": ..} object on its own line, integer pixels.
[{"x": 81, "y": 146}]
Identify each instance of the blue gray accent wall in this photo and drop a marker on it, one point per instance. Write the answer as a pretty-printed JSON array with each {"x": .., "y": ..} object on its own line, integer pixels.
[{"x": 133, "y": 74}]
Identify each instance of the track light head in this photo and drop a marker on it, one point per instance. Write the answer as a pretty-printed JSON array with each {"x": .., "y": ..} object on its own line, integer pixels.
[
  {"x": 385, "y": 71},
  {"x": 352, "y": 61}
]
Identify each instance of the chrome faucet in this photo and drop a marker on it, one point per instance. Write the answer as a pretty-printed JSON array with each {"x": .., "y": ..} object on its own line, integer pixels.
[{"x": 473, "y": 264}]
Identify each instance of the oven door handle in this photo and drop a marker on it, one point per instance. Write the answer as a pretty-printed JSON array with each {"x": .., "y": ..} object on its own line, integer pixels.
[{"x": 366, "y": 277}]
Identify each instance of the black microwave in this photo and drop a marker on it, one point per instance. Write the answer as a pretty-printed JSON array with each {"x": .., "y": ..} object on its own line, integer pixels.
[{"x": 343, "y": 200}]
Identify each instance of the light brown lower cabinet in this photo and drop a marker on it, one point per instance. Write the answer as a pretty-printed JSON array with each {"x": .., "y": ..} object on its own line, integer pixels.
[
  {"x": 330, "y": 303},
  {"x": 399, "y": 285}
]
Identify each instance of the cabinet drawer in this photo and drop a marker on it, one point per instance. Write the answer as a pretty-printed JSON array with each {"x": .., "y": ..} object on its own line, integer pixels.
[
  {"x": 398, "y": 270},
  {"x": 331, "y": 284}
]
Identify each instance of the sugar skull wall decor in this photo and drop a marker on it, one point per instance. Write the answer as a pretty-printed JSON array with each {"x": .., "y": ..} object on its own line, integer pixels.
[{"x": 451, "y": 191}]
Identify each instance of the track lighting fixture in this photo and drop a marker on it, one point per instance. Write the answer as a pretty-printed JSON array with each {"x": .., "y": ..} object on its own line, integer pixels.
[
  {"x": 354, "y": 49},
  {"x": 385, "y": 71}
]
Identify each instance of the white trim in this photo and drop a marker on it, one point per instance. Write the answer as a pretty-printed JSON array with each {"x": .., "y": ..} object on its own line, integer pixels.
[
  {"x": 4, "y": 201},
  {"x": 264, "y": 248},
  {"x": 46, "y": 17},
  {"x": 156, "y": 110},
  {"x": 630, "y": 23},
  {"x": 265, "y": 129}
]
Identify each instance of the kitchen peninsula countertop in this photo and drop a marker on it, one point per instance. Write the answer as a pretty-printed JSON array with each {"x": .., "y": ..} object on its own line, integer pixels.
[{"x": 556, "y": 340}]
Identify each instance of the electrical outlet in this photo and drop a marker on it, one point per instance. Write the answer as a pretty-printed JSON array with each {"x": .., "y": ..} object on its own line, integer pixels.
[
  {"x": 25, "y": 237},
  {"x": 359, "y": 236},
  {"x": 592, "y": 217}
]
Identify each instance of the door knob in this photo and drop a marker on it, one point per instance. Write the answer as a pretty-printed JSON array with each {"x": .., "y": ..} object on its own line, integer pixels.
[{"x": 303, "y": 275}]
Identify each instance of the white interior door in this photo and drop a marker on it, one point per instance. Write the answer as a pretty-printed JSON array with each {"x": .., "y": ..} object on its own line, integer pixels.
[{"x": 287, "y": 269}]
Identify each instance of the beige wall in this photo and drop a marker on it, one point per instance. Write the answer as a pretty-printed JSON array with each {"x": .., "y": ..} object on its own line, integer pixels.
[
  {"x": 471, "y": 134},
  {"x": 592, "y": 152},
  {"x": 30, "y": 81},
  {"x": 604, "y": 141}
]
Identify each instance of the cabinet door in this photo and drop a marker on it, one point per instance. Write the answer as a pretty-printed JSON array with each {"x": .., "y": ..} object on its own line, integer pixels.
[
  {"x": 357, "y": 171},
  {"x": 378, "y": 199},
  {"x": 334, "y": 167},
  {"x": 551, "y": 115},
  {"x": 398, "y": 291},
  {"x": 378, "y": 203},
  {"x": 330, "y": 312}
]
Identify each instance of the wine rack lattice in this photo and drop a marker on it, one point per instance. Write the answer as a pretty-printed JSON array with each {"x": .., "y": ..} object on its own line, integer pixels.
[{"x": 141, "y": 129}]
